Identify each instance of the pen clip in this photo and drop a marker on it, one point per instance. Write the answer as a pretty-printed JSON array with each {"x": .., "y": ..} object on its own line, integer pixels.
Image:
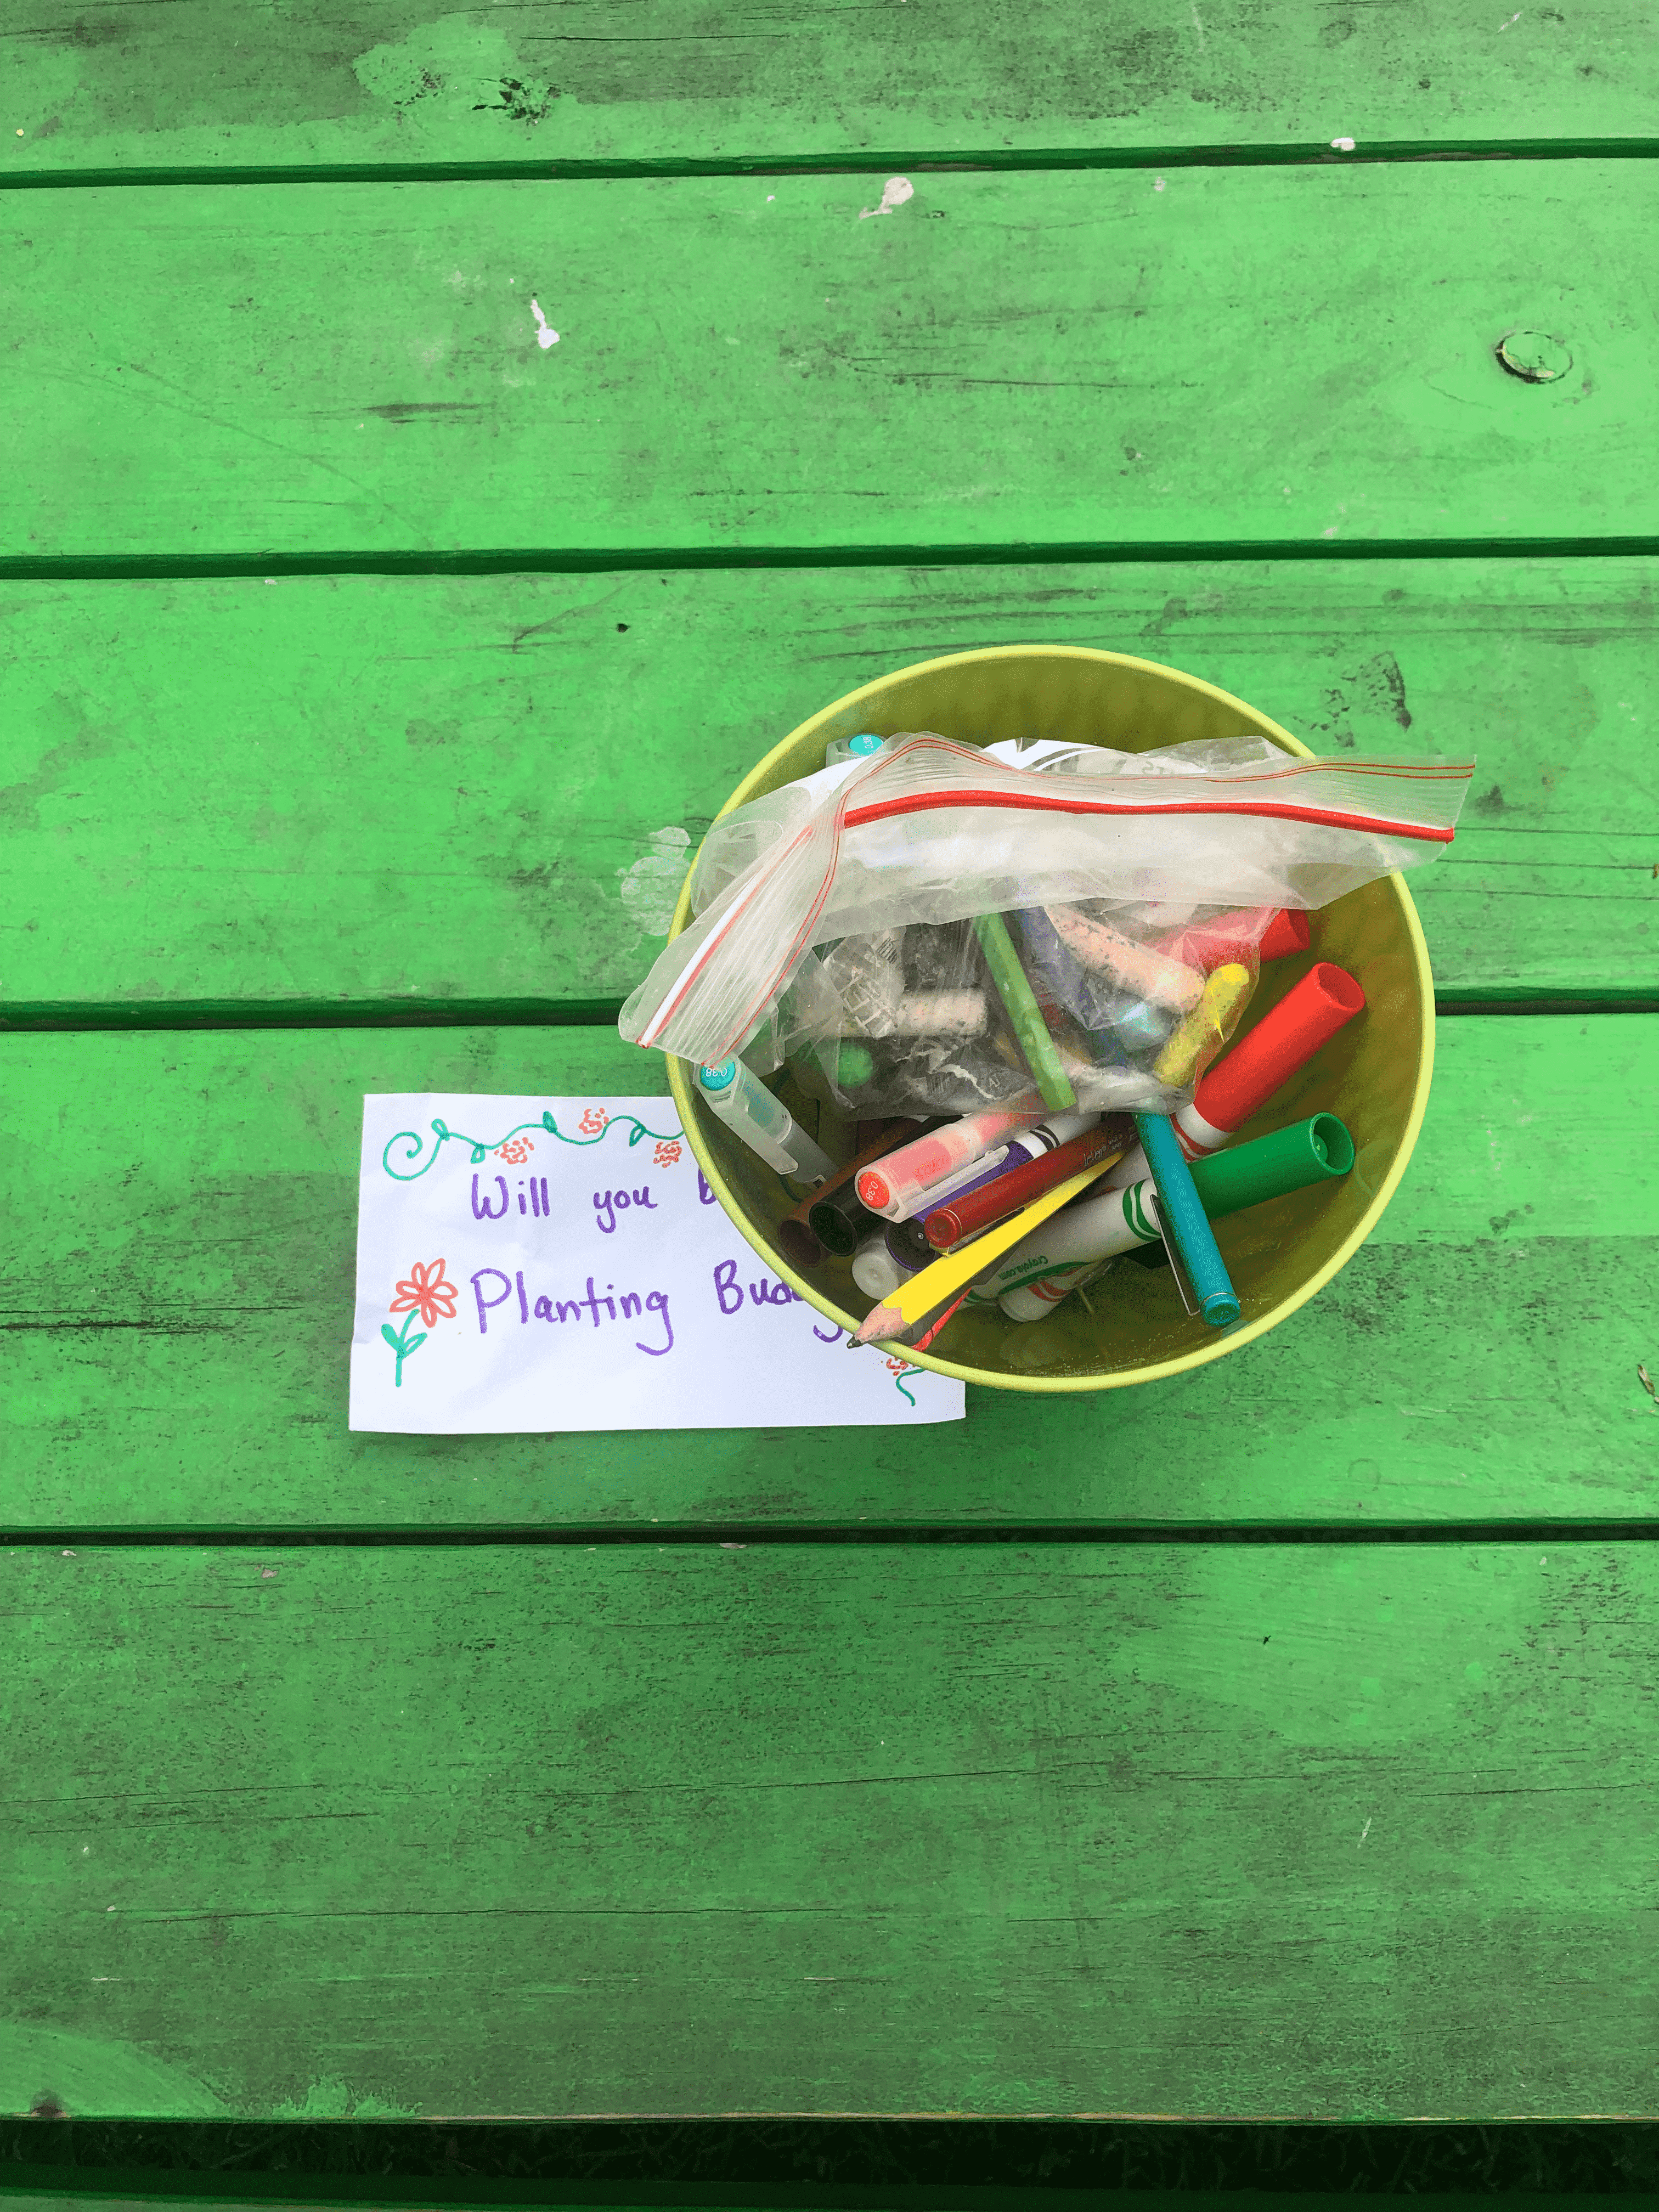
[{"x": 1177, "y": 1266}]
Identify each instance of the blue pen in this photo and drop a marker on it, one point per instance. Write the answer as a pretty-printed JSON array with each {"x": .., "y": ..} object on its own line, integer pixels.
[{"x": 1187, "y": 1225}]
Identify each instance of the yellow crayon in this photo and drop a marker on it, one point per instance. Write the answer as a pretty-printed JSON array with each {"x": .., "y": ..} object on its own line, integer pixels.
[{"x": 1211, "y": 1023}]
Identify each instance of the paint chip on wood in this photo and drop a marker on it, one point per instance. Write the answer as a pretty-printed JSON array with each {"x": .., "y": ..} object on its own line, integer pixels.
[
  {"x": 650, "y": 888},
  {"x": 894, "y": 194},
  {"x": 545, "y": 335}
]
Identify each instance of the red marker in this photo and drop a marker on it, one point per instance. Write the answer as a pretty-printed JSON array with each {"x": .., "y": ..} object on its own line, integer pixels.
[
  {"x": 1242, "y": 1080},
  {"x": 1311, "y": 1013},
  {"x": 965, "y": 1216},
  {"x": 1290, "y": 930},
  {"x": 1207, "y": 944}
]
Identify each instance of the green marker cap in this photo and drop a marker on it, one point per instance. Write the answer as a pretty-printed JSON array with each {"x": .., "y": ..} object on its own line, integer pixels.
[
  {"x": 863, "y": 743},
  {"x": 716, "y": 1079},
  {"x": 1315, "y": 1151}
]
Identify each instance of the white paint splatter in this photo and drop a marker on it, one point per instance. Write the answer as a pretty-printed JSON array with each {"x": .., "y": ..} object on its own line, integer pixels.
[
  {"x": 1198, "y": 26},
  {"x": 894, "y": 194},
  {"x": 1364, "y": 1832},
  {"x": 544, "y": 336},
  {"x": 650, "y": 888},
  {"x": 1515, "y": 18},
  {"x": 1158, "y": 184},
  {"x": 1331, "y": 532},
  {"x": 1343, "y": 145}
]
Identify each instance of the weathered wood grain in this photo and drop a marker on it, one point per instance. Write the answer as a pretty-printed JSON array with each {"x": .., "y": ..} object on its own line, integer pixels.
[
  {"x": 1111, "y": 358},
  {"x": 125, "y": 88},
  {"x": 1256, "y": 1831},
  {"x": 370, "y": 793},
  {"x": 177, "y": 1296}
]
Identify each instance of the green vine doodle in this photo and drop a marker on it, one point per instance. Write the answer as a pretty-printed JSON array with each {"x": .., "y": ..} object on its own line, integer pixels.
[
  {"x": 480, "y": 1151},
  {"x": 402, "y": 1344}
]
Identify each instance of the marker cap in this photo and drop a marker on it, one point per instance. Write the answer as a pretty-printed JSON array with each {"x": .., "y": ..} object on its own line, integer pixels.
[
  {"x": 1284, "y": 1040},
  {"x": 1315, "y": 1150}
]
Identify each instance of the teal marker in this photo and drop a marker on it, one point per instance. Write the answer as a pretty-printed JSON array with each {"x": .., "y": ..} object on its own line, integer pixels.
[
  {"x": 858, "y": 748},
  {"x": 1081, "y": 1242},
  {"x": 762, "y": 1122},
  {"x": 1186, "y": 1226}
]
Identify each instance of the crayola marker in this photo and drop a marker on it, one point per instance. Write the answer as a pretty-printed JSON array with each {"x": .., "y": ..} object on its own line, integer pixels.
[{"x": 1075, "y": 1247}]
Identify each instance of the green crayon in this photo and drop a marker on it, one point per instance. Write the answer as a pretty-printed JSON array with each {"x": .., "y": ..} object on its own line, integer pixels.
[{"x": 1023, "y": 1012}]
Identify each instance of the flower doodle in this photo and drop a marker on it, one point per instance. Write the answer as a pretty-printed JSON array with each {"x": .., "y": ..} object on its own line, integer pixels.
[
  {"x": 516, "y": 1149},
  {"x": 425, "y": 1292},
  {"x": 593, "y": 1119},
  {"x": 666, "y": 1155}
]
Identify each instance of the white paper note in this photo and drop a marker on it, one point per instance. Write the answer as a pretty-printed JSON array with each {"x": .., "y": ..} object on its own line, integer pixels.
[{"x": 530, "y": 1264}]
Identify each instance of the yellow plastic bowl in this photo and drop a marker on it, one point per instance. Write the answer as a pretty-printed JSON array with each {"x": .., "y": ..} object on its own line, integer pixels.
[{"x": 1374, "y": 1074}]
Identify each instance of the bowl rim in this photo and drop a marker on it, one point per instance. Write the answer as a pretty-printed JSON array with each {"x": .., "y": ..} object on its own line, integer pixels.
[{"x": 1225, "y": 1340}]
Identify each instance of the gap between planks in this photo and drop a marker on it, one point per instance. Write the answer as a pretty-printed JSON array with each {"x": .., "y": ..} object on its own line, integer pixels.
[
  {"x": 742, "y": 1536},
  {"x": 668, "y": 168},
  {"x": 523, "y": 560},
  {"x": 308, "y": 1014}
]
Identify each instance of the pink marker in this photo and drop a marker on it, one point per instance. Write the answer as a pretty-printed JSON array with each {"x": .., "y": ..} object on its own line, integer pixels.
[{"x": 888, "y": 1186}]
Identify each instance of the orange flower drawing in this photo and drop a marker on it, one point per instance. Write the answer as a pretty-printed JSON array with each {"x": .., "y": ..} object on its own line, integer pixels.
[
  {"x": 666, "y": 1155},
  {"x": 516, "y": 1149},
  {"x": 427, "y": 1290},
  {"x": 593, "y": 1119}
]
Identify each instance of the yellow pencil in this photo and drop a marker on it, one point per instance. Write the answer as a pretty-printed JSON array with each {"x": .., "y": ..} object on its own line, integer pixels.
[{"x": 932, "y": 1285}]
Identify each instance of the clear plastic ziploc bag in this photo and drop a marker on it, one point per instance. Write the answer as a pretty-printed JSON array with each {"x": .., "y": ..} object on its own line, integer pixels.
[{"x": 935, "y": 929}]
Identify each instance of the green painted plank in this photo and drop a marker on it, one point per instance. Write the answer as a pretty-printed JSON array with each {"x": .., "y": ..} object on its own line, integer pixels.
[
  {"x": 179, "y": 1244},
  {"x": 284, "y": 2190},
  {"x": 1245, "y": 1832},
  {"x": 368, "y": 793},
  {"x": 382, "y": 80},
  {"x": 1276, "y": 354}
]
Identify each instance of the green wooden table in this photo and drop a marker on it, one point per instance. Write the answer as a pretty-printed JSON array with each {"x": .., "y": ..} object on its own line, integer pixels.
[{"x": 370, "y": 661}]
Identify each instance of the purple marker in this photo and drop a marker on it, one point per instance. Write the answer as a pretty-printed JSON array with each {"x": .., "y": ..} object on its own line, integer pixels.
[{"x": 1028, "y": 1144}]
